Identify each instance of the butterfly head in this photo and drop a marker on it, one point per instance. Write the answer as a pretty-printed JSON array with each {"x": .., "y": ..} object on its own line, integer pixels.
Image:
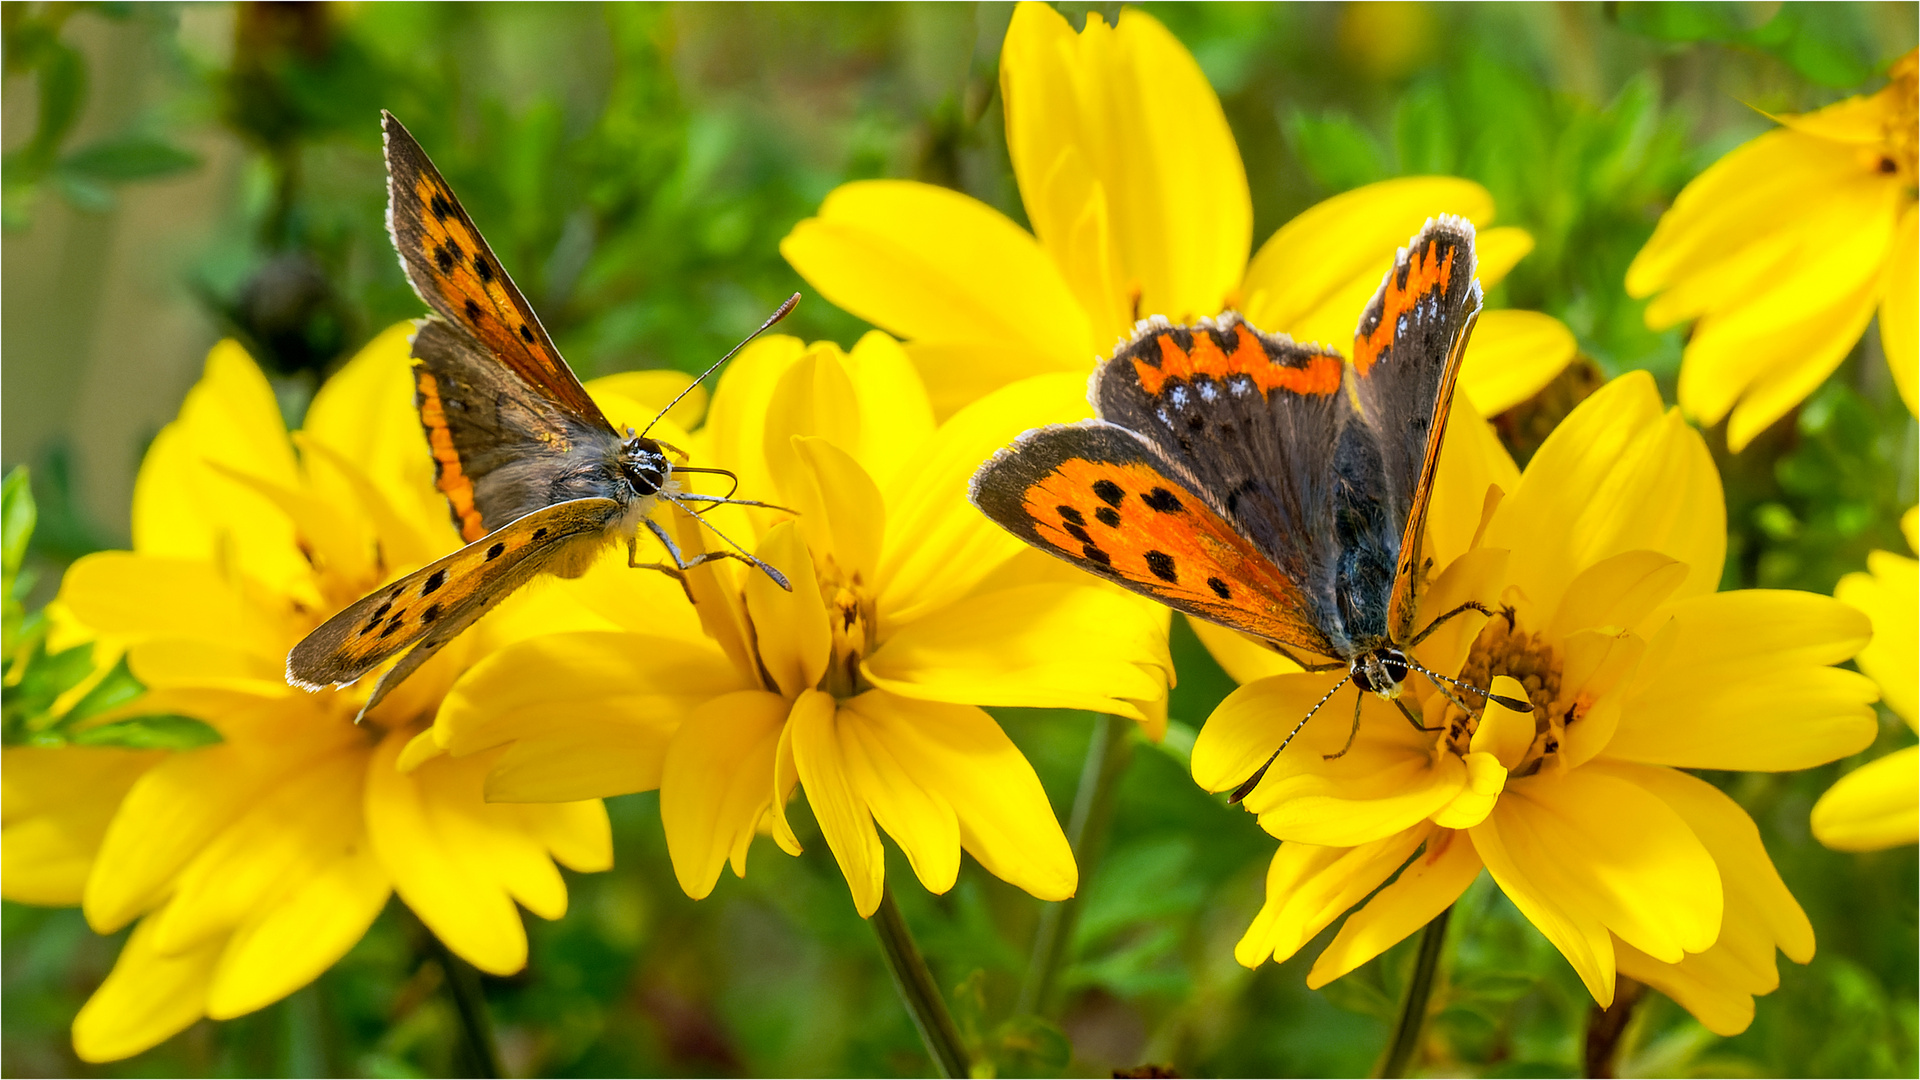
[
  {"x": 644, "y": 463},
  {"x": 1381, "y": 671}
]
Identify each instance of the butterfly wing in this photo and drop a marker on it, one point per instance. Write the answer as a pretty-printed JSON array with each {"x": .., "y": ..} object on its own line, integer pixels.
[
  {"x": 454, "y": 271},
  {"x": 1406, "y": 360},
  {"x": 1256, "y": 419},
  {"x": 1100, "y": 497},
  {"x": 431, "y": 606}
]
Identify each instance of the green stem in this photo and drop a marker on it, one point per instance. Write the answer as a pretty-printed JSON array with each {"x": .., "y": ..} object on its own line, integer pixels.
[
  {"x": 463, "y": 985},
  {"x": 918, "y": 992},
  {"x": 1108, "y": 754},
  {"x": 1413, "y": 1005}
]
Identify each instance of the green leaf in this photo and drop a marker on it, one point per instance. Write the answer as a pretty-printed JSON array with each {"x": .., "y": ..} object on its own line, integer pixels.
[
  {"x": 115, "y": 689},
  {"x": 17, "y": 516},
  {"x": 1355, "y": 993},
  {"x": 163, "y": 731},
  {"x": 130, "y": 157},
  {"x": 1029, "y": 1046},
  {"x": 1339, "y": 153}
]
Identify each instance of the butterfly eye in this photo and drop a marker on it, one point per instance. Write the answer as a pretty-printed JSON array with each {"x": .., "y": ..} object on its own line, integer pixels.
[
  {"x": 643, "y": 475},
  {"x": 1394, "y": 663}
]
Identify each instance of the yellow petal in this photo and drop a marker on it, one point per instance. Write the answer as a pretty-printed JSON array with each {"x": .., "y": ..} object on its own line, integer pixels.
[
  {"x": 896, "y": 416},
  {"x": 958, "y": 372},
  {"x": 959, "y": 754},
  {"x": 1504, "y": 732},
  {"x": 1512, "y": 356},
  {"x": 918, "y": 818},
  {"x": 1756, "y": 897},
  {"x": 1250, "y": 723},
  {"x": 1309, "y": 887},
  {"x": 717, "y": 783},
  {"x": 1617, "y": 593},
  {"x": 1079, "y": 108},
  {"x": 146, "y": 999},
  {"x": 1332, "y": 806},
  {"x": 1899, "y": 319},
  {"x": 138, "y": 597},
  {"x": 364, "y": 414},
  {"x": 1472, "y": 461},
  {"x": 1873, "y": 807},
  {"x": 588, "y": 713},
  {"x": 1039, "y": 646},
  {"x": 1241, "y": 656},
  {"x": 577, "y": 834},
  {"x": 1608, "y": 847},
  {"x": 938, "y": 545},
  {"x": 55, "y": 805},
  {"x": 654, "y": 390},
  {"x": 1739, "y": 680},
  {"x": 1423, "y": 890},
  {"x": 1477, "y": 575},
  {"x": 736, "y": 429},
  {"x": 1495, "y": 253},
  {"x": 183, "y": 508},
  {"x": 287, "y": 945},
  {"x": 426, "y": 845},
  {"x": 841, "y": 512},
  {"x": 924, "y": 262},
  {"x": 1889, "y": 594},
  {"x": 1697, "y": 984},
  {"x": 819, "y": 753},
  {"x": 1511, "y": 855},
  {"x": 794, "y": 640}
]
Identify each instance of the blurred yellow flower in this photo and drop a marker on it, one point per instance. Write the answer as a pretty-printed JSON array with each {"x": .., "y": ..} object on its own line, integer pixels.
[
  {"x": 253, "y": 864},
  {"x": 1878, "y": 805},
  {"x": 1609, "y": 549},
  {"x": 1139, "y": 206},
  {"x": 864, "y": 685},
  {"x": 1783, "y": 250}
]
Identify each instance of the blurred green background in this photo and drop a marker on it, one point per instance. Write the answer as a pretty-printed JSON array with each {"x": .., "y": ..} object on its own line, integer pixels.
[{"x": 178, "y": 173}]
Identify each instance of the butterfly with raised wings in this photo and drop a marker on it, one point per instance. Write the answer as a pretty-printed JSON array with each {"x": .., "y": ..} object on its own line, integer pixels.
[
  {"x": 1269, "y": 486},
  {"x": 537, "y": 479}
]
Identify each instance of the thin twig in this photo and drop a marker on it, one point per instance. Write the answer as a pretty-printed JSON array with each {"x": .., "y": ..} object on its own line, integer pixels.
[
  {"x": 1413, "y": 1004},
  {"x": 918, "y": 992},
  {"x": 463, "y": 985}
]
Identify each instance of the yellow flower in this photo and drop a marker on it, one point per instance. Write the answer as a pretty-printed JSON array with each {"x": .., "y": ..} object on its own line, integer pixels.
[
  {"x": 864, "y": 685},
  {"x": 253, "y": 864},
  {"x": 1783, "y": 250},
  {"x": 1139, "y": 206},
  {"x": 1878, "y": 805},
  {"x": 1608, "y": 549}
]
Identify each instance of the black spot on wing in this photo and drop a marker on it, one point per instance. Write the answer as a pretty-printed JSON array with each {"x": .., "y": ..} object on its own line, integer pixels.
[
  {"x": 432, "y": 613},
  {"x": 473, "y": 310},
  {"x": 441, "y": 208},
  {"x": 482, "y": 267},
  {"x": 393, "y": 625},
  {"x": 1161, "y": 564},
  {"x": 540, "y": 533},
  {"x": 1109, "y": 492},
  {"x": 526, "y": 335},
  {"x": 434, "y": 581},
  {"x": 443, "y": 259},
  {"x": 1162, "y": 500},
  {"x": 1078, "y": 533},
  {"x": 1094, "y": 554},
  {"x": 1071, "y": 516},
  {"x": 495, "y": 551},
  {"x": 1108, "y": 517},
  {"x": 1219, "y": 588}
]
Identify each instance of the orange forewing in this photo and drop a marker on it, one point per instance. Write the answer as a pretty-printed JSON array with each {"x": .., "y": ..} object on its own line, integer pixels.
[
  {"x": 456, "y": 272},
  {"x": 1427, "y": 272},
  {"x": 1131, "y": 521}
]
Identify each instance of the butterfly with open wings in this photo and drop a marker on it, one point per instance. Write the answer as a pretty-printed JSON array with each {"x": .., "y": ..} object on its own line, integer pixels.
[
  {"x": 1265, "y": 485},
  {"x": 537, "y": 479}
]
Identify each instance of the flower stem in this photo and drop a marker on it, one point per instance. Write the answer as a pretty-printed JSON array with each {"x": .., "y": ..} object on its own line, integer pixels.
[
  {"x": 463, "y": 985},
  {"x": 1605, "y": 1028},
  {"x": 1413, "y": 1005},
  {"x": 918, "y": 992},
  {"x": 1108, "y": 754}
]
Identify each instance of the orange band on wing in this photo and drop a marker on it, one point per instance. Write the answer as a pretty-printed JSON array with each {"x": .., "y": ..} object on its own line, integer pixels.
[
  {"x": 448, "y": 476},
  {"x": 1320, "y": 375},
  {"x": 1425, "y": 273}
]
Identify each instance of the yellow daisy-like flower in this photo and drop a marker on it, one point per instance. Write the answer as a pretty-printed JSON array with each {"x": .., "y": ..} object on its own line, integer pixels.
[
  {"x": 1139, "y": 206},
  {"x": 1878, "y": 805},
  {"x": 1608, "y": 550},
  {"x": 1783, "y": 250},
  {"x": 253, "y": 864},
  {"x": 864, "y": 684}
]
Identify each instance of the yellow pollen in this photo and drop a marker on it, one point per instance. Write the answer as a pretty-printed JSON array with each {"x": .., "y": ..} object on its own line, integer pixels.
[
  {"x": 850, "y": 611},
  {"x": 1504, "y": 650}
]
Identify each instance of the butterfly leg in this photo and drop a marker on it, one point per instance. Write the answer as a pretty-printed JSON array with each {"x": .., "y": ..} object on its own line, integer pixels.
[
  {"x": 1411, "y": 719},
  {"x": 681, "y": 564},
  {"x": 1358, "y": 700},
  {"x": 1302, "y": 664},
  {"x": 1471, "y": 605}
]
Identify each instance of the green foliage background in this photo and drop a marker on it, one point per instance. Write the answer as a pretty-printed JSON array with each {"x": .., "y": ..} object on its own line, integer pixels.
[{"x": 635, "y": 168}]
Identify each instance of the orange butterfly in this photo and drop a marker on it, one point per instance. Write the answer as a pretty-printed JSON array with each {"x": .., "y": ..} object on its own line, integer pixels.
[{"x": 536, "y": 477}]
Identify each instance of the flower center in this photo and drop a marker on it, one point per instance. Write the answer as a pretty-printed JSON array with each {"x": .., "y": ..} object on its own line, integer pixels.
[
  {"x": 1505, "y": 649},
  {"x": 850, "y": 615}
]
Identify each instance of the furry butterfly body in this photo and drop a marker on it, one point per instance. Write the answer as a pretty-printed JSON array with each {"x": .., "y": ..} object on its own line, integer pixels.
[
  {"x": 536, "y": 478},
  {"x": 1269, "y": 486}
]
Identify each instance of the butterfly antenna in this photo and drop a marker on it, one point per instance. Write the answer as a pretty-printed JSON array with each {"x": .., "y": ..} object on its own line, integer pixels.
[
  {"x": 1246, "y": 787},
  {"x": 783, "y": 312},
  {"x": 779, "y": 578},
  {"x": 1442, "y": 682}
]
